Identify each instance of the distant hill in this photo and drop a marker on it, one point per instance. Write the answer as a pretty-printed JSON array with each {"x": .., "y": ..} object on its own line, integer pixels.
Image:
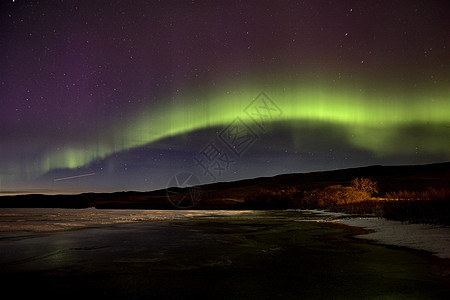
[{"x": 231, "y": 195}]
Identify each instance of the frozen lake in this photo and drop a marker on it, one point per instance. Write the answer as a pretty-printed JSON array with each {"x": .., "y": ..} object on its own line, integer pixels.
[
  {"x": 136, "y": 254},
  {"x": 431, "y": 238},
  {"x": 55, "y": 219}
]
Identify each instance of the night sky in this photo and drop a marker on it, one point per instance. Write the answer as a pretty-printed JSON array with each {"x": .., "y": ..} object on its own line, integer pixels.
[{"x": 127, "y": 95}]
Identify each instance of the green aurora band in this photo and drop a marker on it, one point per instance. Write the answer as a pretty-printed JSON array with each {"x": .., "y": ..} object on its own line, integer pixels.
[{"x": 375, "y": 121}]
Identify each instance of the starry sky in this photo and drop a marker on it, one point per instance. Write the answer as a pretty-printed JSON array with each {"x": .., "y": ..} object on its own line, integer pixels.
[{"x": 109, "y": 96}]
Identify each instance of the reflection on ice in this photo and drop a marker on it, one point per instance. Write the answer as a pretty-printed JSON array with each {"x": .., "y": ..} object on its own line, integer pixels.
[{"x": 54, "y": 219}]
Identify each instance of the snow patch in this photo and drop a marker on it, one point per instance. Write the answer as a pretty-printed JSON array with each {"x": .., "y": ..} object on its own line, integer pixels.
[{"x": 431, "y": 238}]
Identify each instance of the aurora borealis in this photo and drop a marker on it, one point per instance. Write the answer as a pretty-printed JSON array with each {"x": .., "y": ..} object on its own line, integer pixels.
[{"x": 130, "y": 92}]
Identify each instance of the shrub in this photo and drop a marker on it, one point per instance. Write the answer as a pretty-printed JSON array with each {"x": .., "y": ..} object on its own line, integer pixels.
[
  {"x": 365, "y": 185},
  {"x": 431, "y": 206}
]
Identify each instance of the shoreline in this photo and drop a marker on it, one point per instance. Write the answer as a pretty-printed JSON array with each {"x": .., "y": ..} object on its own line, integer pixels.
[{"x": 434, "y": 239}]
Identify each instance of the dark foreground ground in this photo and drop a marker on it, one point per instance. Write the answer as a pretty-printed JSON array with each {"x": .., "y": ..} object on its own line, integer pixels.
[{"x": 271, "y": 256}]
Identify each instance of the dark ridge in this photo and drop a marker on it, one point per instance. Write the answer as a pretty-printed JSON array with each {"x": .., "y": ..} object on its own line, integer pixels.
[{"x": 231, "y": 195}]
